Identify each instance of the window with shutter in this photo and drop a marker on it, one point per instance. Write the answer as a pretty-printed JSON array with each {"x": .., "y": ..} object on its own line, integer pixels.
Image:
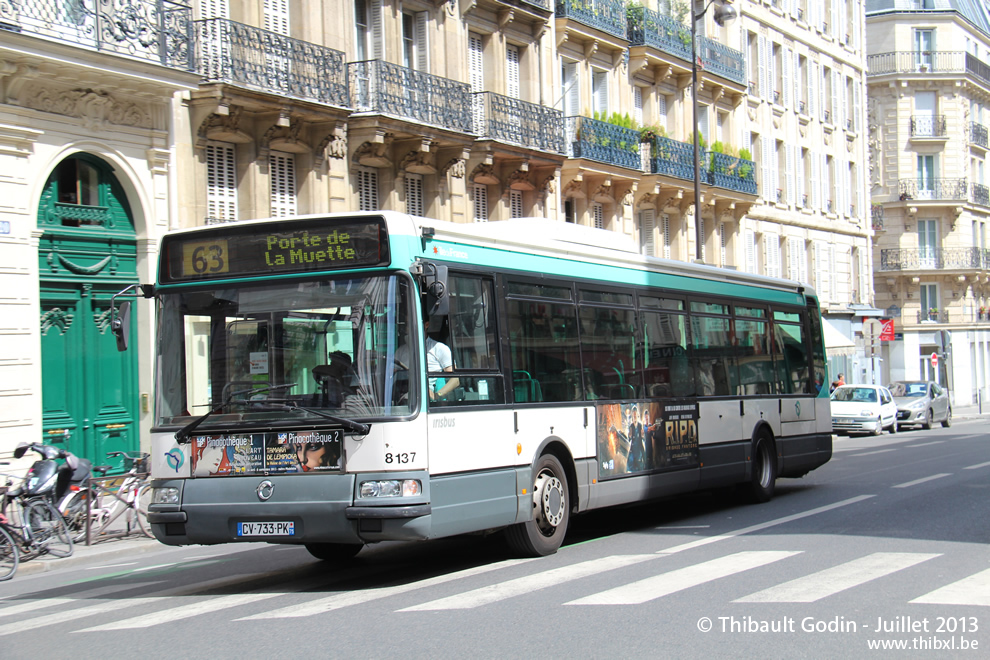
[
  {"x": 362, "y": 30},
  {"x": 647, "y": 224},
  {"x": 665, "y": 235},
  {"x": 211, "y": 42},
  {"x": 722, "y": 240},
  {"x": 515, "y": 203},
  {"x": 414, "y": 194},
  {"x": 512, "y": 71},
  {"x": 662, "y": 111},
  {"x": 277, "y": 16},
  {"x": 637, "y": 105},
  {"x": 221, "y": 182},
  {"x": 704, "y": 238},
  {"x": 476, "y": 74},
  {"x": 282, "y": 171},
  {"x": 772, "y": 250},
  {"x": 822, "y": 272},
  {"x": 750, "y": 242},
  {"x": 597, "y": 215},
  {"x": 599, "y": 92},
  {"x": 367, "y": 179},
  {"x": 571, "y": 93},
  {"x": 480, "y": 202}
]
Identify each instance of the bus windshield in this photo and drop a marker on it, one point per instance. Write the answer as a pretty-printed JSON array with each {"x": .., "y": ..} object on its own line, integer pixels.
[{"x": 286, "y": 352}]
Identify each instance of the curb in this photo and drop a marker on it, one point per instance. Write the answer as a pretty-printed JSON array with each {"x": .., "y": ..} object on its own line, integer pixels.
[{"x": 111, "y": 549}]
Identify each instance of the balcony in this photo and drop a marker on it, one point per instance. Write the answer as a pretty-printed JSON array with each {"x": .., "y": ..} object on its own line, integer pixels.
[
  {"x": 981, "y": 194},
  {"x": 384, "y": 88},
  {"x": 238, "y": 54},
  {"x": 671, "y": 158},
  {"x": 933, "y": 316},
  {"x": 603, "y": 142},
  {"x": 648, "y": 28},
  {"x": 730, "y": 172},
  {"x": 158, "y": 31},
  {"x": 933, "y": 189},
  {"x": 517, "y": 122},
  {"x": 608, "y": 16},
  {"x": 722, "y": 60},
  {"x": 978, "y": 135},
  {"x": 957, "y": 258},
  {"x": 925, "y": 62},
  {"x": 928, "y": 126}
]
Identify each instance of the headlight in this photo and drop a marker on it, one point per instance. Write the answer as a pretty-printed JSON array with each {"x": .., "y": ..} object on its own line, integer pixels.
[
  {"x": 917, "y": 405},
  {"x": 867, "y": 413},
  {"x": 164, "y": 495},
  {"x": 391, "y": 488}
]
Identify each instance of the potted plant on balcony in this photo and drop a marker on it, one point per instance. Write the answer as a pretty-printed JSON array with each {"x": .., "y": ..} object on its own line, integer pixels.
[
  {"x": 983, "y": 313},
  {"x": 932, "y": 314},
  {"x": 746, "y": 168}
]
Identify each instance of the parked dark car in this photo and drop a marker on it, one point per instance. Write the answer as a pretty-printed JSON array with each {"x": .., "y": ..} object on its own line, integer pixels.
[{"x": 921, "y": 403}]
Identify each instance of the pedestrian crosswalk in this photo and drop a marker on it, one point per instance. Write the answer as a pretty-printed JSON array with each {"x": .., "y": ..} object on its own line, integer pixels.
[{"x": 156, "y": 603}]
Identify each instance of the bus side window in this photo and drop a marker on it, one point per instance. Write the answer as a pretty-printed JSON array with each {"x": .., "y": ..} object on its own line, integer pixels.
[{"x": 473, "y": 339}]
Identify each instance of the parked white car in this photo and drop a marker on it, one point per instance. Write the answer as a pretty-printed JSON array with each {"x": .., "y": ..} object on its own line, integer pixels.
[{"x": 863, "y": 409}]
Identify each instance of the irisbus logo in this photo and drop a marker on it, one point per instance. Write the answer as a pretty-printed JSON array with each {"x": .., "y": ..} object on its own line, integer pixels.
[{"x": 443, "y": 422}]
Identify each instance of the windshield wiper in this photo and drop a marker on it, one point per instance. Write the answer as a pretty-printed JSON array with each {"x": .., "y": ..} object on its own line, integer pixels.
[
  {"x": 182, "y": 435},
  {"x": 349, "y": 424}
]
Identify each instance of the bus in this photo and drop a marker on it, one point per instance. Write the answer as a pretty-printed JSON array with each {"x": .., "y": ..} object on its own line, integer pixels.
[{"x": 295, "y": 402}]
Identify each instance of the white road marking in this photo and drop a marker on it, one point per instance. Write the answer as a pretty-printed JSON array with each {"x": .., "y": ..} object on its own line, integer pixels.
[
  {"x": 683, "y": 527},
  {"x": 348, "y": 598},
  {"x": 922, "y": 480},
  {"x": 530, "y": 583},
  {"x": 78, "y": 613},
  {"x": 870, "y": 453},
  {"x": 977, "y": 466},
  {"x": 30, "y": 606},
  {"x": 926, "y": 444},
  {"x": 764, "y": 525},
  {"x": 974, "y": 590},
  {"x": 665, "y": 584},
  {"x": 101, "y": 567},
  {"x": 822, "y": 584},
  {"x": 184, "y": 611}
]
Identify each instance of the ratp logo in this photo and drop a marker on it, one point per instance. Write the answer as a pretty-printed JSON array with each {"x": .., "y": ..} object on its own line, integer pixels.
[{"x": 175, "y": 459}]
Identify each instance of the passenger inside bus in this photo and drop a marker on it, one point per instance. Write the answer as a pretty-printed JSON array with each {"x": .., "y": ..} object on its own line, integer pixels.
[{"x": 333, "y": 378}]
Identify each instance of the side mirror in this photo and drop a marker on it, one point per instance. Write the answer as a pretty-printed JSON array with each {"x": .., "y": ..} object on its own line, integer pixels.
[
  {"x": 437, "y": 300},
  {"x": 121, "y": 325},
  {"x": 21, "y": 450}
]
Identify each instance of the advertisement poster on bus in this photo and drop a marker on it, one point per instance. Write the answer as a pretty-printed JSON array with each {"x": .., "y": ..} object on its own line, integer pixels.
[
  {"x": 646, "y": 436},
  {"x": 266, "y": 453}
]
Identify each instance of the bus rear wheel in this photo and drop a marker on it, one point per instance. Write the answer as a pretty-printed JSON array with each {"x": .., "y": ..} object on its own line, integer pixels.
[
  {"x": 334, "y": 551},
  {"x": 543, "y": 534},
  {"x": 760, "y": 488}
]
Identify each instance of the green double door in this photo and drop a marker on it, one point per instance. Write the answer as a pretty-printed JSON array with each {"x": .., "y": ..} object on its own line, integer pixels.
[{"x": 88, "y": 252}]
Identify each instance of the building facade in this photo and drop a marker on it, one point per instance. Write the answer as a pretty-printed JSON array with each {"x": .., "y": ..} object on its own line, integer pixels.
[
  {"x": 929, "y": 85},
  {"x": 580, "y": 111}
]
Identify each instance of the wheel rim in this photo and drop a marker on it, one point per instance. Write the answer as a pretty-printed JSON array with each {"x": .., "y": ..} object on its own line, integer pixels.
[
  {"x": 763, "y": 465},
  {"x": 548, "y": 496}
]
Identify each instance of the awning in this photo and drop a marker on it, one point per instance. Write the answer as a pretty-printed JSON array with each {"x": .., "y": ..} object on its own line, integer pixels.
[{"x": 836, "y": 343}]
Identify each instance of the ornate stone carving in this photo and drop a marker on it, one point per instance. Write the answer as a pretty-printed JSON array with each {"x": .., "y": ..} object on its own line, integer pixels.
[
  {"x": 418, "y": 162},
  {"x": 56, "y": 318},
  {"x": 374, "y": 154},
  {"x": 224, "y": 124},
  {"x": 334, "y": 144},
  {"x": 485, "y": 174},
  {"x": 457, "y": 167},
  {"x": 286, "y": 136},
  {"x": 95, "y": 108}
]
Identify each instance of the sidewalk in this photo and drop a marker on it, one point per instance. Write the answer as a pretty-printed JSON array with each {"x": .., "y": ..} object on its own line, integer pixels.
[{"x": 105, "y": 551}]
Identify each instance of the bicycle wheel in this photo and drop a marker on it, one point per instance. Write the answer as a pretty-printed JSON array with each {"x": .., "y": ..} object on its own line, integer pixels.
[
  {"x": 143, "y": 500},
  {"x": 48, "y": 529},
  {"x": 9, "y": 556},
  {"x": 74, "y": 509}
]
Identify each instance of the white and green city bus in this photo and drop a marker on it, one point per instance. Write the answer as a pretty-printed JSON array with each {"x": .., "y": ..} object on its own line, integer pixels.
[{"x": 293, "y": 402}]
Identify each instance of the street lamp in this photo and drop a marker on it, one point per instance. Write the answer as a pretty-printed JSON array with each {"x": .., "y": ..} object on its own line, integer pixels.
[{"x": 724, "y": 12}]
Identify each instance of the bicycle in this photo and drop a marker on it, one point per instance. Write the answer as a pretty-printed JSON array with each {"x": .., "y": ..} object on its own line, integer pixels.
[
  {"x": 91, "y": 509},
  {"x": 36, "y": 528}
]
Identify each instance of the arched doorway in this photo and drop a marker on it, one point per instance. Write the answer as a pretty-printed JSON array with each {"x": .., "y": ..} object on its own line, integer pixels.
[{"x": 87, "y": 253}]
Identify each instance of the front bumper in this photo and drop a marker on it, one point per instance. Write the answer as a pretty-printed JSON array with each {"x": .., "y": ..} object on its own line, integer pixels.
[
  {"x": 322, "y": 508},
  {"x": 855, "y": 424}
]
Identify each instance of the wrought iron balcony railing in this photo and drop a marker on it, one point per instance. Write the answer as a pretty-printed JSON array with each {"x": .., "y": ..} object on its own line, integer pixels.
[
  {"x": 649, "y": 28},
  {"x": 928, "y": 126},
  {"x": 721, "y": 60},
  {"x": 157, "y": 31},
  {"x": 603, "y": 142},
  {"x": 518, "y": 122},
  {"x": 933, "y": 189},
  {"x": 927, "y": 61},
  {"x": 542, "y": 4},
  {"x": 934, "y": 316},
  {"x": 978, "y": 134},
  {"x": 609, "y": 16},
  {"x": 231, "y": 52},
  {"x": 981, "y": 194},
  {"x": 934, "y": 258},
  {"x": 671, "y": 158},
  {"x": 876, "y": 216},
  {"x": 731, "y": 172},
  {"x": 386, "y": 88}
]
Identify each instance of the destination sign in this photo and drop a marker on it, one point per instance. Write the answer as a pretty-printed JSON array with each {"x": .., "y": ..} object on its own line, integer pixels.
[{"x": 275, "y": 247}]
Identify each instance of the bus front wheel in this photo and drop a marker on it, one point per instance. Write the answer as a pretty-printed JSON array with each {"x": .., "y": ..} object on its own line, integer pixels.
[
  {"x": 543, "y": 534},
  {"x": 334, "y": 551},
  {"x": 764, "y": 469}
]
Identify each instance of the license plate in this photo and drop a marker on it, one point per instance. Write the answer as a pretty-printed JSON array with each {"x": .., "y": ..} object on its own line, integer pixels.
[{"x": 266, "y": 528}]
